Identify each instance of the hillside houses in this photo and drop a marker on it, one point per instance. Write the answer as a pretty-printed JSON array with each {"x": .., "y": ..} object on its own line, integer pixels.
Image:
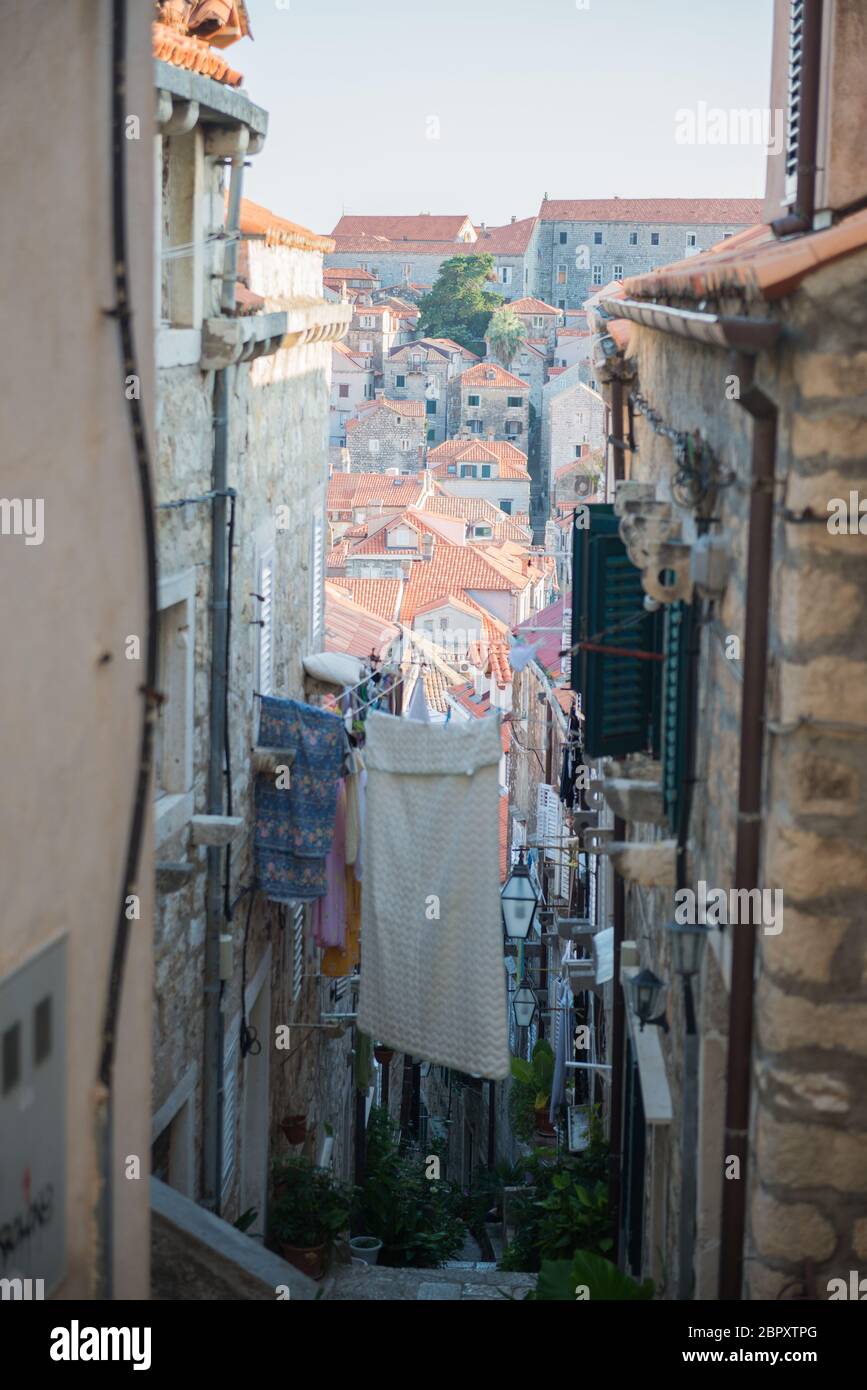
[
  {"x": 487, "y": 400},
  {"x": 386, "y": 434},
  {"x": 423, "y": 370},
  {"x": 490, "y": 468}
]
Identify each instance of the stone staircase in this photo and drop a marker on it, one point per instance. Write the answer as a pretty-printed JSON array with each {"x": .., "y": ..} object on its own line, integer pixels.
[{"x": 461, "y": 1281}]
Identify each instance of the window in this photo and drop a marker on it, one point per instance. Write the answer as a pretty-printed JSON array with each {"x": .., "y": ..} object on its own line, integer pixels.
[
  {"x": 173, "y": 735},
  {"x": 373, "y": 446},
  {"x": 468, "y": 470},
  {"x": 633, "y": 238},
  {"x": 365, "y": 345},
  {"x": 561, "y": 304},
  {"x": 366, "y": 321},
  {"x": 597, "y": 274},
  {"x": 483, "y": 533},
  {"x": 343, "y": 391},
  {"x": 691, "y": 239},
  {"x": 265, "y": 618},
  {"x": 472, "y": 400},
  {"x": 430, "y": 407},
  {"x": 617, "y": 272},
  {"x": 431, "y": 436},
  {"x": 400, "y": 380},
  {"x": 579, "y": 450},
  {"x": 405, "y": 444},
  {"x": 561, "y": 275},
  {"x": 524, "y": 359},
  {"x": 514, "y": 427},
  {"x": 452, "y": 469},
  {"x": 406, "y": 270},
  {"x": 562, "y": 238},
  {"x": 475, "y": 426},
  {"x": 597, "y": 238},
  {"x": 654, "y": 238},
  {"x": 486, "y": 470},
  {"x": 505, "y": 275},
  {"x": 506, "y": 505},
  {"x": 515, "y": 402}
]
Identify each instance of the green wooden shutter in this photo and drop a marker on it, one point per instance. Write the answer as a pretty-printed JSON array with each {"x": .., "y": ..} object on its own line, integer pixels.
[
  {"x": 620, "y": 694},
  {"x": 678, "y": 631}
]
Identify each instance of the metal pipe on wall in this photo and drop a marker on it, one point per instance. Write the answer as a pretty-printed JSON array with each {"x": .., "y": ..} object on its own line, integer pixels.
[
  {"x": 618, "y": 1025},
  {"x": 212, "y": 1076},
  {"x": 749, "y": 822}
]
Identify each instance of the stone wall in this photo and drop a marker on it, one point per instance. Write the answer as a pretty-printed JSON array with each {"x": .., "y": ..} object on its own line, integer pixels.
[
  {"x": 808, "y": 1136},
  {"x": 382, "y": 439},
  {"x": 581, "y": 253},
  {"x": 492, "y": 412}
]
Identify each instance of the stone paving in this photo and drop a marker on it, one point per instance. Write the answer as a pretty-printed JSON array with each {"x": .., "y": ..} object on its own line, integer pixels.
[{"x": 463, "y": 1281}]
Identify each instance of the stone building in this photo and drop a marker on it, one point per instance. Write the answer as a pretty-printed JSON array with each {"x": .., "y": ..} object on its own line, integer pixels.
[
  {"x": 530, "y": 364},
  {"x": 385, "y": 435},
  {"x": 489, "y": 401},
  {"x": 372, "y": 332},
  {"x": 540, "y": 320},
  {"x": 741, "y": 509},
  {"x": 584, "y": 242},
  {"x": 241, "y": 429},
  {"x": 74, "y": 557},
  {"x": 488, "y": 468},
  {"x": 352, "y": 384},
  {"x": 422, "y": 371},
  {"x": 572, "y": 422}
]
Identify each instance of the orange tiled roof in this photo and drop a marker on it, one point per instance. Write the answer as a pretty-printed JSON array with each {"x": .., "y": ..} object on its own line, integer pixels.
[
  {"x": 187, "y": 51},
  {"x": 340, "y": 272},
  {"x": 348, "y": 490},
  {"x": 411, "y": 409},
  {"x": 755, "y": 261},
  {"x": 724, "y": 212},
  {"x": 280, "y": 232},
  {"x": 478, "y": 509},
  {"x": 352, "y": 628},
  {"x": 509, "y": 240},
  {"x": 378, "y": 596},
  {"x": 529, "y": 305},
  {"x": 421, "y": 227},
  {"x": 374, "y": 543},
  {"x": 512, "y": 463},
  {"x": 492, "y": 376}
]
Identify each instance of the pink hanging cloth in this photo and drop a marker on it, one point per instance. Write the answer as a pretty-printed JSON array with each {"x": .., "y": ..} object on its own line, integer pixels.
[{"x": 329, "y": 913}]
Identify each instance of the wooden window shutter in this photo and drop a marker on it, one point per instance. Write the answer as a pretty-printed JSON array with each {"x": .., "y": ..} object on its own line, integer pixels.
[
  {"x": 678, "y": 631},
  {"x": 230, "y": 1111},
  {"x": 297, "y": 950},
  {"x": 316, "y": 580},
  {"x": 620, "y": 694},
  {"x": 793, "y": 111}
]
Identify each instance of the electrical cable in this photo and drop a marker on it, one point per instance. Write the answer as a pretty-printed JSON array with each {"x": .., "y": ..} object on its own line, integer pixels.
[{"x": 122, "y": 312}]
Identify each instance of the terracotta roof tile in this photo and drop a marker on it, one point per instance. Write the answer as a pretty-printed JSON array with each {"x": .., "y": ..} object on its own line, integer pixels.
[
  {"x": 341, "y": 272},
  {"x": 187, "y": 51},
  {"x": 280, "y": 232},
  {"x": 411, "y": 409},
  {"x": 755, "y": 261},
  {"x": 724, "y": 212},
  {"x": 378, "y": 596},
  {"x": 529, "y": 305},
  {"x": 509, "y": 240},
  {"x": 349, "y": 490},
  {"x": 512, "y": 462},
  {"x": 352, "y": 628},
  {"x": 420, "y": 227},
  {"x": 492, "y": 376}
]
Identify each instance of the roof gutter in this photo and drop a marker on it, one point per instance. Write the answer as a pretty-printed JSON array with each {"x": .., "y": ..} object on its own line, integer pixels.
[{"x": 716, "y": 330}]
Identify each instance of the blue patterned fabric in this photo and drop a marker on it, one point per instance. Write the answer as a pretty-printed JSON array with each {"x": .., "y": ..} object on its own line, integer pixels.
[{"x": 295, "y": 825}]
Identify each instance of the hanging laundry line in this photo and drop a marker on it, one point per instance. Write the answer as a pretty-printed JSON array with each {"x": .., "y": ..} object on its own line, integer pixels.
[{"x": 383, "y": 693}]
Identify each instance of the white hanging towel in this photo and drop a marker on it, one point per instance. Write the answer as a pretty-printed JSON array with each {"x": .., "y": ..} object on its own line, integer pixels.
[{"x": 432, "y": 980}]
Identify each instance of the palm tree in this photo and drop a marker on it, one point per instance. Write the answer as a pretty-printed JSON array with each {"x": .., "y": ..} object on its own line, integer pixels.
[{"x": 505, "y": 335}]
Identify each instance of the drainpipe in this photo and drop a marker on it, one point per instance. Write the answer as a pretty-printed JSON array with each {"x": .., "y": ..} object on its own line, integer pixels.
[
  {"x": 747, "y": 855},
  {"x": 212, "y": 1079},
  {"x": 800, "y": 218},
  {"x": 618, "y": 1025}
]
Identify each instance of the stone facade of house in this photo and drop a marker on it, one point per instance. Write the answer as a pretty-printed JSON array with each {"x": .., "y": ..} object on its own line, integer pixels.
[
  {"x": 489, "y": 402},
  {"x": 372, "y": 332},
  {"x": 572, "y": 424},
  {"x": 422, "y": 371},
  {"x": 580, "y": 246},
  {"x": 278, "y": 406},
  {"x": 383, "y": 437}
]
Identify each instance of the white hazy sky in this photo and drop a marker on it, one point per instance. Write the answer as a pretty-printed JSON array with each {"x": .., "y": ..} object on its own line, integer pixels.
[{"x": 532, "y": 96}]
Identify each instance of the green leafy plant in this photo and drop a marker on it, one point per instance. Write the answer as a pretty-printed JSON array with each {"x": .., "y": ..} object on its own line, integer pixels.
[
  {"x": 564, "y": 1207},
  {"x": 310, "y": 1206},
  {"x": 460, "y": 305},
  {"x": 506, "y": 332},
  {"x": 246, "y": 1219},
  {"x": 416, "y": 1219},
  {"x": 564, "y": 1281},
  {"x": 536, "y": 1076},
  {"x": 574, "y": 1216}
]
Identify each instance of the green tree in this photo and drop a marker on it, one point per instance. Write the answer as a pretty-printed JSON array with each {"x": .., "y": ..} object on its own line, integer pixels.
[
  {"x": 505, "y": 335},
  {"x": 460, "y": 305}
]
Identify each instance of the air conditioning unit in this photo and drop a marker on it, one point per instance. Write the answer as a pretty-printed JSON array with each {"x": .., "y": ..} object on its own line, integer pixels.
[{"x": 465, "y": 666}]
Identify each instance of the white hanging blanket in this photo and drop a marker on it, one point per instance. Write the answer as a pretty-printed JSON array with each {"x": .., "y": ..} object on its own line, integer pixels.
[{"x": 432, "y": 978}]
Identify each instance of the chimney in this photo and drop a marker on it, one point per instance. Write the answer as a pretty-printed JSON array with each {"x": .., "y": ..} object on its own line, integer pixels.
[
  {"x": 491, "y": 434},
  {"x": 514, "y": 218},
  {"x": 427, "y": 546}
]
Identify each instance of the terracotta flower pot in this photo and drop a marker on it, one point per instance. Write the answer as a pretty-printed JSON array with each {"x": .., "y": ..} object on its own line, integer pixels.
[
  {"x": 383, "y": 1055},
  {"x": 543, "y": 1124},
  {"x": 311, "y": 1260},
  {"x": 295, "y": 1128}
]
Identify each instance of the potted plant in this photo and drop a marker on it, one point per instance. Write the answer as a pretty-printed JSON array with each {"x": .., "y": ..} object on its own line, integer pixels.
[
  {"x": 538, "y": 1076},
  {"x": 295, "y": 1128},
  {"x": 310, "y": 1208},
  {"x": 365, "y": 1248},
  {"x": 383, "y": 1055}
]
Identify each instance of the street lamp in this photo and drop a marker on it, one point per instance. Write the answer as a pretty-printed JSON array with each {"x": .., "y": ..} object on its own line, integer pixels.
[
  {"x": 519, "y": 901},
  {"x": 687, "y": 948},
  {"x": 524, "y": 1004},
  {"x": 648, "y": 995}
]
